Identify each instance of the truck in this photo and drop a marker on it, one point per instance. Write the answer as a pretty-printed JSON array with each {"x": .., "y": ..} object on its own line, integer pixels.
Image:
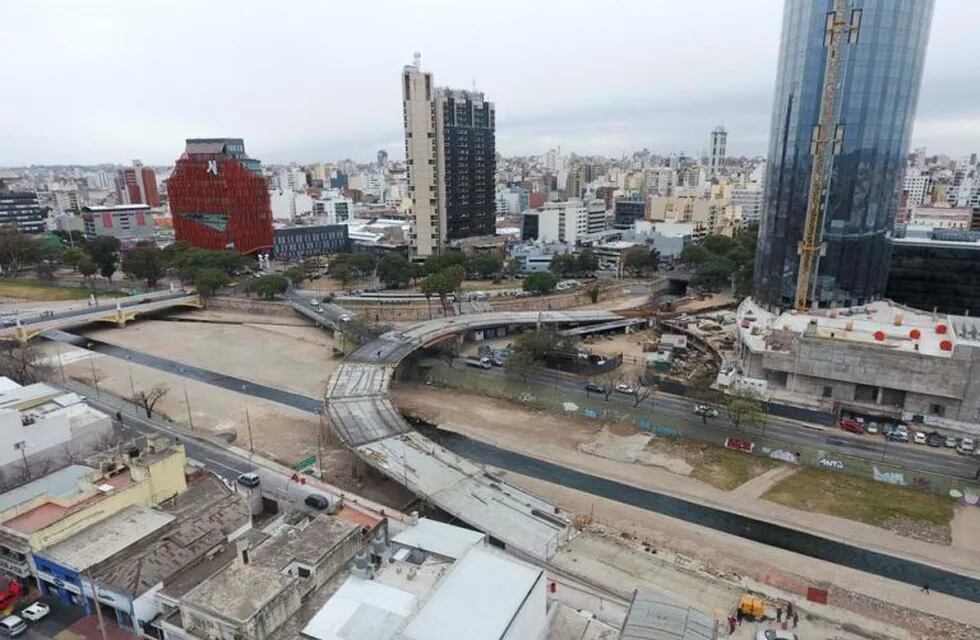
[{"x": 479, "y": 363}]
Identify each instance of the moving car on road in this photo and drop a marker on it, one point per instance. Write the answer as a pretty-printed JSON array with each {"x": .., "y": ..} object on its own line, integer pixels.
[
  {"x": 250, "y": 480},
  {"x": 705, "y": 410},
  {"x": 595, "y": 388},
  {"x": 36, "y": 611},
  {"x": 316, "y": 501},
  {"x": 624, "y": 388}
]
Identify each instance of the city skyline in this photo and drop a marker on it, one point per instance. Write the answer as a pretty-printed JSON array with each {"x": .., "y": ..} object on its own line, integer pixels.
[{"x": 313, "y": 101}]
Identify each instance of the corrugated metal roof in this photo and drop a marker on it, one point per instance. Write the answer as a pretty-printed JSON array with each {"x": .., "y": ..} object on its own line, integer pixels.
[{"x": 651, "y": 616}]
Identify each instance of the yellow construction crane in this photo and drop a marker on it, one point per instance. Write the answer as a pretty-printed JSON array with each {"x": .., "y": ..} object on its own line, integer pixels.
[{"x": 811, "y": 246}]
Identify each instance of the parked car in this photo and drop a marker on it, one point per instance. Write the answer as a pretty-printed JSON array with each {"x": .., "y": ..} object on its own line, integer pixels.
[
  {"x": 250, "y": 480},
  {"x": 899, "y": 434},
  {"x": 316, "y": 501},
  {"x": 36, "y": 611},
  {"x": 595, "y": 388},
  {"x": 873, "y": 428},
  {"x": 952, "y": 442},
  {"x": 919, "y": 438},
  {"x": 887, "y": 429},
  {"x": 934, "y": 439},
  {"x": 967, "y": 446},
  {"x": 12, "y": 626},
  {"x": 705, "y": 410},
  {"x": 624, "y": 388},
  {"x": 852, "y": 424}
]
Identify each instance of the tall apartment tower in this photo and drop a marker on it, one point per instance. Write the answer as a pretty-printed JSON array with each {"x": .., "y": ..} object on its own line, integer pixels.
[
  {"x": 137, "y": 185},
  {"x": 716, "y": 155},
  {"x": 883, "y": 50},
  {"x": 451, "y": 157}
]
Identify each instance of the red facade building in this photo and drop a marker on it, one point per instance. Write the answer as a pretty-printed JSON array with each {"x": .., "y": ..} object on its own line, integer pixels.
[
  {"x": 137, "y": 185},
  {"x": 219, "y": 198}
]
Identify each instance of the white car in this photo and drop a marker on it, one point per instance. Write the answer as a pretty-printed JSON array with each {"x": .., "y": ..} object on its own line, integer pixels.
[
  {"x": 919, "y": 438},
  {"x": 624, "y": 388},
  {"x": 967, "y": 446},
  {"x": 776, "y": 634},
  {"x": 36, "y": 611},
  {"x": 705, "y": 410},
  {"x": 12, "y": 626}
]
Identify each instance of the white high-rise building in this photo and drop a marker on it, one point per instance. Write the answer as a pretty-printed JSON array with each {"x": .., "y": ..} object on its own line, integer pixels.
[
  {"x": 916, "y": 184},
  {"x": 716, "y": 153}
]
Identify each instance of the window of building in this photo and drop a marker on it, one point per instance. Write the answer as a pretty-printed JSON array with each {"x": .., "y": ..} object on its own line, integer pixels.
[
  {"x": 828, "y": 392},
  {"x": 937, "y": 410}
]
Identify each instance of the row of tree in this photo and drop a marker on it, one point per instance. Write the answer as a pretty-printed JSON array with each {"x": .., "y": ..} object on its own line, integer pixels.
[
  {"x": 719, "y": 260},
  {"x": 395, "y": 272}
]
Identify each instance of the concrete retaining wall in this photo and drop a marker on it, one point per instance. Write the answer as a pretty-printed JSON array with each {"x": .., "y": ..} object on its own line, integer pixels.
[{"x": 250, "y": 305}]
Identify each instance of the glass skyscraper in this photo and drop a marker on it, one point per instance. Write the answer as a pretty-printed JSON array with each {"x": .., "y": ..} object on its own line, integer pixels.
[{"x": 880, "y": 75}]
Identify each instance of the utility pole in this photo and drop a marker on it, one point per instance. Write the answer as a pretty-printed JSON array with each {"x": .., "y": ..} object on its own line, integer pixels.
[
  {"x": 187, "y": 401},
  {"x": 248, "y": 422},
  {"x": 98, "y": 605},
  {"x": 95, "y": 379},
  {"x": 61, "y": 366}
]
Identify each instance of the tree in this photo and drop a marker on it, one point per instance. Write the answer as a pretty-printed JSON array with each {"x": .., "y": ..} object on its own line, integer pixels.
[
  {"x": 744, "y": 407},
  {"x": 541, "y": 282},
  {"x": 640, "y": 390},
  {"x": 87, "y": 267},
  {"x": 701, "y": 380},
  {"x": 341, "y": 271},
  {"x": 483, "y": 265},
  {"x": 441, "y": 261},
  {"x": 269, "y": 286},
  {"x": 640, "y": 259},
  {"x": 542, "y": 344},
  {"x": 295, "y": 275},
  {"x": 594, "y": 294},
  {"x": 23, "y": 363},
  {"x": 395, "y": 271},
  {"x": 587, "y": 262},
  {"x": 104, "y": 251},
  {"x": 73, "y": 257},
  {"x": 16, "y": 249},
  {"x": 520, "y": 363},
  {"x": 149, "y": 399},
  {"x": 443, "y": 283},
  {"x": 207, "y": 281},
  {"x": 144, "y": 262}
]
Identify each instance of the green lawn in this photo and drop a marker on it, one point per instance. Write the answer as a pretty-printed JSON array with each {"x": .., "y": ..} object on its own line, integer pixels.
[
  {"x": 39, "y": 291},
  {"x": 861, "y": 499},
  {"x": 717, "y": 466}
]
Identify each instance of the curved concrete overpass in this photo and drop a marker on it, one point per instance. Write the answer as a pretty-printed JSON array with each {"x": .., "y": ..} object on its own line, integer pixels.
[{"x": 364, "y": 418}]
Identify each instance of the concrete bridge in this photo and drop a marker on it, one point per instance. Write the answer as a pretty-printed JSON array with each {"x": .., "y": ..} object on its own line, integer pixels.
[
  {"x": 119, "y": 312},
  {"x": 365, "y": 420}
]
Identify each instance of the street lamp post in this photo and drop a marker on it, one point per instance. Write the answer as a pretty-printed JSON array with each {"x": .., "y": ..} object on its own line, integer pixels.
[
  {"x": 248, "y": 422},
  {"x": 187, "y": 400},
  {"x": 95, "y": 380}
]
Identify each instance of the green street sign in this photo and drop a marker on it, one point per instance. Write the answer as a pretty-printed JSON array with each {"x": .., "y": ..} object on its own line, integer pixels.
[{"x": 305, "y": 463}]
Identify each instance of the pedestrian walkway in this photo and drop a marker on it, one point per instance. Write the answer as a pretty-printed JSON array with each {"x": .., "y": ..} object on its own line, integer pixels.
[{"x": 87, "y": 628}]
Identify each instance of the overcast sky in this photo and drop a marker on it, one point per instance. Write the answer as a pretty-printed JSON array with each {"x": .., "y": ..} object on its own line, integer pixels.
[{"x": 90, "y": 81}]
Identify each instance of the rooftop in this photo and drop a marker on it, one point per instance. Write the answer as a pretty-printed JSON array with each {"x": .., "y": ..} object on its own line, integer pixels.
[
  {"x": 62, "y": 484},
  {"x": 49, "y": 512},
  {"x": 653, "y": 617},
  {"x": 309, "y": 545},
  {"x": 206, "y": 514},
  {"x": 437, "y": 537},
  {"x": 118, "y": 208},
  {"x": 477, "y": 600},
  {"x": 238, "y": 592},
  {"x": 881, "y": 323},
  {"x": 104, "y": 539}
]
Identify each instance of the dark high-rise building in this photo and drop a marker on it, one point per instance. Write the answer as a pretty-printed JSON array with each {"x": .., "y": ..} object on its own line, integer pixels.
[
  {"x": 219, "y": 198},
  {"x": 880, "y": 74},
  {"x": 21, "y": 210},
  {"x": 451, "y": 158},
  {"x": 627, "y": 211},
  {"x": 936, "y": 269}
]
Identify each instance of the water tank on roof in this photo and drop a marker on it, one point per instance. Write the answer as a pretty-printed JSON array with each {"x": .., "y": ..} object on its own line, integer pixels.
[
  {"x": 361, "y": 560},
  {"x": 378, "y": 544}
]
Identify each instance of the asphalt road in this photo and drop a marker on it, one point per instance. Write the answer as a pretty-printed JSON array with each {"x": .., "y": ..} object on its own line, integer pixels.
[
  {"x": 895, "y": 568},
  {"x": 675, "y": 411},
  {"x": 221, "y": 461}
]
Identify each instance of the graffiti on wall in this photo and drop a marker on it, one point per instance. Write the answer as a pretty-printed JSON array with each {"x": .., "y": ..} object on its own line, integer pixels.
[
  {"x": 831, "y": 463},
  {"x": 739, "y": 444},
  {"x": 889, "y": 477},
  {"x": 781, "y": 454}
]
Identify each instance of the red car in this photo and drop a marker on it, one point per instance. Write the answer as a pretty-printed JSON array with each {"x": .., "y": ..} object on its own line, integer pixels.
[{"x": 852, "y": 425}]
